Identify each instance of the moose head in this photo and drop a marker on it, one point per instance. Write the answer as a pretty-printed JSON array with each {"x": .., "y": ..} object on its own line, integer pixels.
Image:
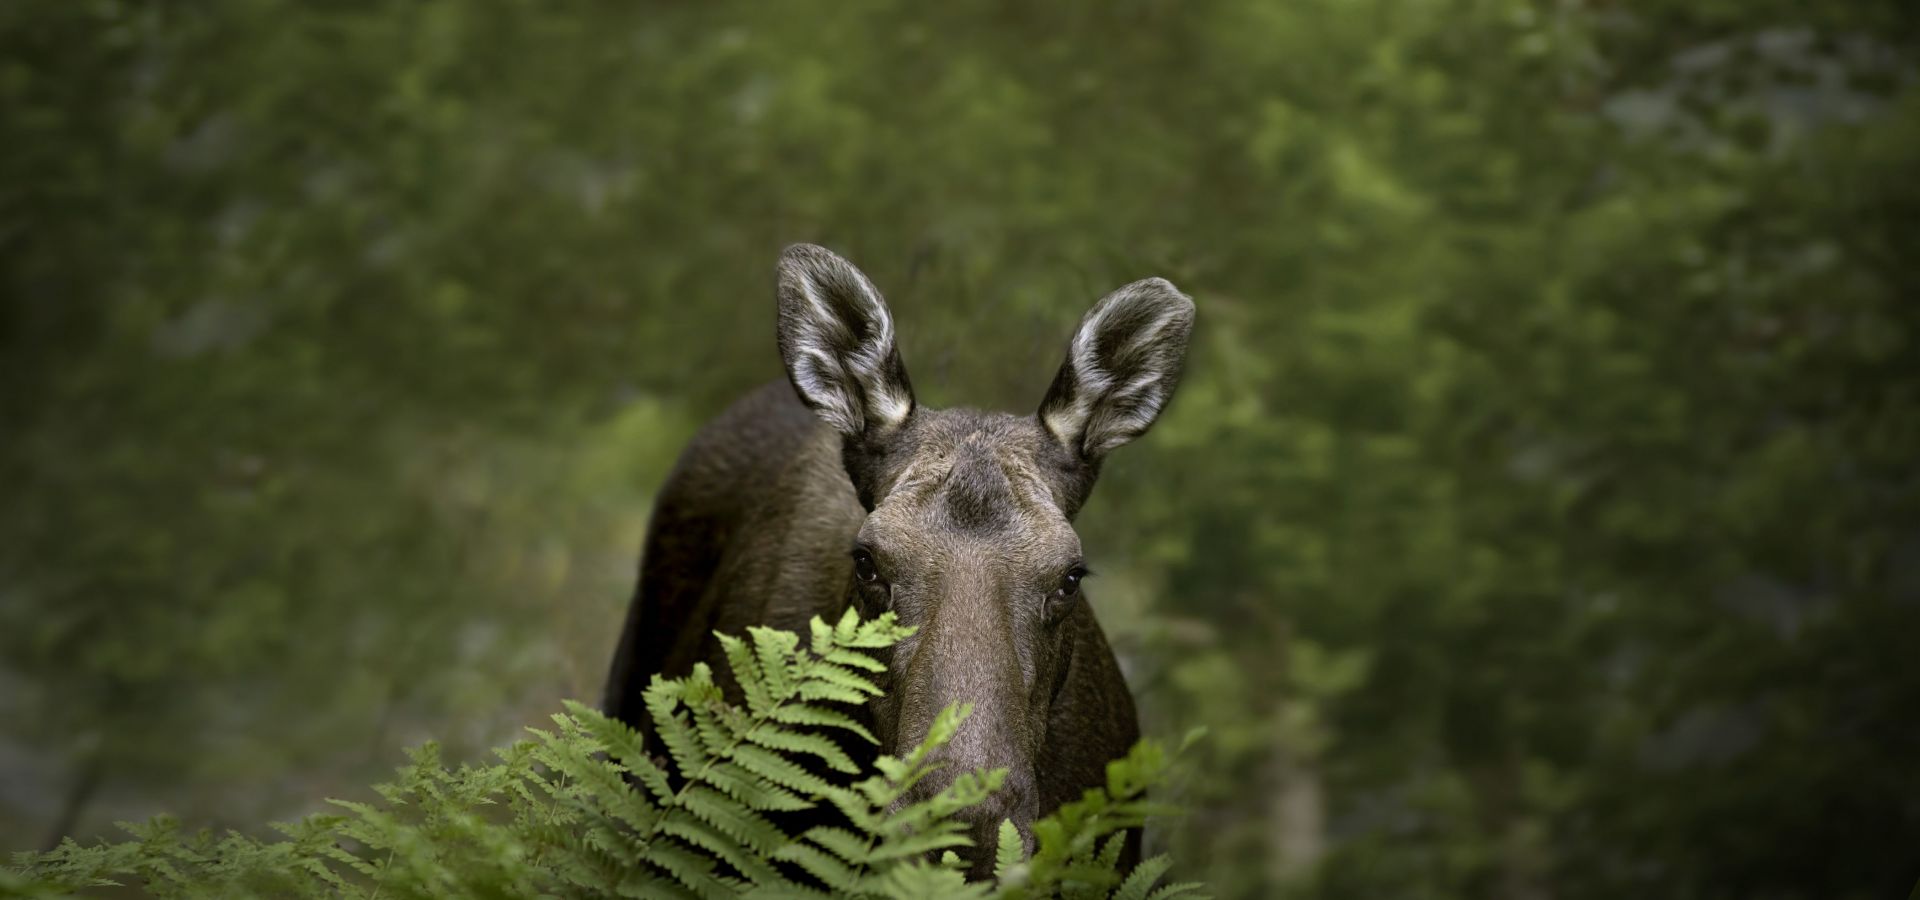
[{"x": 969, "y": 530}]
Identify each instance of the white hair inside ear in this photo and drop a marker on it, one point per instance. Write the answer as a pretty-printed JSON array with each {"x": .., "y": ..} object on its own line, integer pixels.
[
  {"x": 836, "y": 338},
  {"x": 1121, "y": 368}
]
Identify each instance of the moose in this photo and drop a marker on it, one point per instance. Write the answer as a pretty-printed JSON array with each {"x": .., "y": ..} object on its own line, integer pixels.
[{"x": 835, "y": 489}]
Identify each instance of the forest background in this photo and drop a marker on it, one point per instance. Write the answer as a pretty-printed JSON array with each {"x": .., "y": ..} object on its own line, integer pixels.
[{"x": 1538, "y": 519}]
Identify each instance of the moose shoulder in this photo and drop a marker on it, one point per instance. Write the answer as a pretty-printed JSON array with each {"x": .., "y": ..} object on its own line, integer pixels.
[{"x": 838, "y": 490}]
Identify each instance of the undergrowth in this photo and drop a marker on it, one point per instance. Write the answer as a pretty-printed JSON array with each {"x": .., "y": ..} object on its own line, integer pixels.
[{"x": 584, "y": 810}]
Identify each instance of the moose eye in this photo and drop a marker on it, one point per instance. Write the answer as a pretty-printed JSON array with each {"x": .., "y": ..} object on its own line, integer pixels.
[
  {"x": 1070, "y": 583},
  {"x": 863, "y": 567}
]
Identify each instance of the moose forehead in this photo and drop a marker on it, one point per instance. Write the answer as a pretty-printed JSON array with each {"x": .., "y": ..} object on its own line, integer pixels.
[{"x": 977, "y": 474}]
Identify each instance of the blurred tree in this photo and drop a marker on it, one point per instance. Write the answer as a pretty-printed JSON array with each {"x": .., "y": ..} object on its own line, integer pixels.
[{"x": 1538, "y": 519}]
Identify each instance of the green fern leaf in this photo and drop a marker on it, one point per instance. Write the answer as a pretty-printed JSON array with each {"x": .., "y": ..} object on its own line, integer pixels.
[
  {"x": 1089, "y": 877},
  {"x": 675, "y": 731},
  {"x": 749, "y": 863},
  {"x": 693, "y": 871},
  {"x": 1009, "y": 852},
  {"x": 855, "y": 659},
  {"x": 824, "y": 637},
  {"x": 829, "y": 673},
  {"x": 738, "y": 722},
  {"x": 915, "y": 845},
  {"x": 621, "y": 741},
  {"x": 572, "y": 822},
  {"x": 894, "y": 771},
  {"x": 920, "y": 880},
  {"x": 849, "y": 847},
  {"x": 746, "y": 671},
  {"x": 816, "y": 691},
  {"x": 788, "y": 891},
  {"x": 836, "y": 875},
  {"x": 1110, "y": 851},
  {"x": 789, "y": 742},
  {"x": 849, "y": 629},
  {"x": 822, "y": 717},
  {"x": 946, "y": 724},
  {"x": 652, "y": 777},
  {"x": 966, "y": 790},
  {"x": 883, "y": 630},
  {"x": 775, "y": 649},
  {"x": 753, "y": 792},
  {"x": 1142, "y": 878},
  {"x": 737, "y": 821},
  {"x": 1181, "y": 889},
  {"x": 854, "y": 806},
  {"x": 779, "y": 770},
  {"x": 716, "y": 736}
]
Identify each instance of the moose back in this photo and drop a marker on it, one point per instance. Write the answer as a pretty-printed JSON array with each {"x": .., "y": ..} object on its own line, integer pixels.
[{"x": 836, "y": 489}]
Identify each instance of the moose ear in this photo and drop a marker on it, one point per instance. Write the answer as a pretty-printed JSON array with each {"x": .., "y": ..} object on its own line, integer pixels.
[
  {"x": 836, "y": 338},
  {"x": 1121, "y": 368}
]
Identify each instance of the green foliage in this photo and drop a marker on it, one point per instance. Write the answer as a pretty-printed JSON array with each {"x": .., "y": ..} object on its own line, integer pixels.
[
  {"x": 585, "y": 810},
  {"x": 1537, "y": 516}
]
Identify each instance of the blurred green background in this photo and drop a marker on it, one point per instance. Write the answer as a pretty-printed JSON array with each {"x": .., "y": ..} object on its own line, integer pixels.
[{"x": 1540, "y": 517}]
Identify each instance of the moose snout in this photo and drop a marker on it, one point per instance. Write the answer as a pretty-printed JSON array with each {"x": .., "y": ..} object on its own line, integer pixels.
[
  {"x": 1016, "y": 801},
  {"x": 967, "y": 658},
  {"x": 983, "y": 744}
]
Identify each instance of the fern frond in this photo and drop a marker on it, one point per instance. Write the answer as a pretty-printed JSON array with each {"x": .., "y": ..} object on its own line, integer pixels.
[
  {"x": 1141, "y": 879},
  {"x": 795, "y": 742},
  {"x": 920, "y": 880},
  {"x": 849, "y": 847},
  {"x": 1109, "y": 855},
  {"x": 728, "y": 815},
  {"x": 821, "y": 717},
  {"x": 1181, "y": 889},
  {"x": 1008, "y": 853},
  {"x": 662, "y": 699},
  {"x": 774, "y": 649},
  {"x": 747, "y": 673},
  {"x": 881, "y": 631},
  {"x": 751, "y": 791},
  {"x": 935, "y": 812},
  {"x": 918, "y": 844},
  {"x": 824, "y": 673},
  {"x": 718, "y": 732},
  {"x": 750, "y": 862},
  {"x": 858, "y": 810},
  {"x": 828, "y": 691},
  {"x": 692, "y": 870},
  {"x": 779, "y": 770},
  {"x": 855, "y": 659},
  {"x": 586, "y": 808},
  {"x": 835, "y": 874}
]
